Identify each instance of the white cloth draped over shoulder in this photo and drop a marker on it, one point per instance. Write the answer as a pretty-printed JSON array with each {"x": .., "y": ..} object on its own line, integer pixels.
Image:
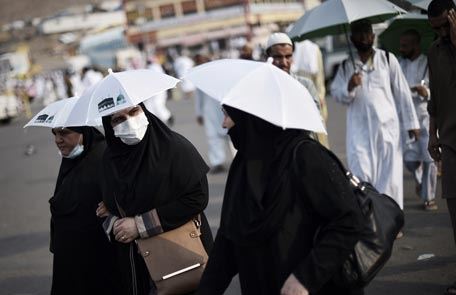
[{"x": 373, "y": 129}]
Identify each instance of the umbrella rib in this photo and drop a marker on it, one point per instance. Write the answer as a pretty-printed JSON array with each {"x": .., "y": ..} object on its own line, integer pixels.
[{"x": 91, "y": 97}]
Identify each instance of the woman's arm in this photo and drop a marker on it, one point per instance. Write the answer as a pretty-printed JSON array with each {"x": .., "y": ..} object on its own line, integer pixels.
[
  {"x": 220, "y": 269},
  {"x": 331, "y": 198}
]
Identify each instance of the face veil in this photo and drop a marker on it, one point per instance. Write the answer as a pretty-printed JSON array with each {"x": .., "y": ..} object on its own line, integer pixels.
[{"x": 160, "y": 168}]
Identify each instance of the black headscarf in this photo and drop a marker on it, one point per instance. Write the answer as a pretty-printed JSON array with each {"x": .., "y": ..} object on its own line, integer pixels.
[
  {"x": 91, "y": 137},
  {"x": 159, "y": 169},
  {"x": 251, "y": 211}
]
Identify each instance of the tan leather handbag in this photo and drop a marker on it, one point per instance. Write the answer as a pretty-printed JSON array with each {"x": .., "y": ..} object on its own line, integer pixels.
[{"x": 175, "y": 259}]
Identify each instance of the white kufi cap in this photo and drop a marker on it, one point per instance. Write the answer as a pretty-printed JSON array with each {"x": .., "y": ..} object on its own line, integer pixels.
[{"x": 278, "y": 38}]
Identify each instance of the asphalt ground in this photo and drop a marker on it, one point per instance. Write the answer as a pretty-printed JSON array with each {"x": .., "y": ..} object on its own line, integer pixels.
[{"x": 27, "y": 182}]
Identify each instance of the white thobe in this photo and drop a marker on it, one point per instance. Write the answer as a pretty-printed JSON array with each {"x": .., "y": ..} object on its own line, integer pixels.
[
  {"x": 217, "y": 138},
  {"x": 182, "y": 65},
  {"x": 416, "y": 71},
  {"x": 91, "y": 78},
  {"x": 157, "y": 104},
  {"x": 374, "y": 151}
]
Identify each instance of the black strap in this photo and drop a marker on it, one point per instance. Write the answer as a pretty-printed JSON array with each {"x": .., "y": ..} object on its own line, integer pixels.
[{"x": 354, "y": 181}]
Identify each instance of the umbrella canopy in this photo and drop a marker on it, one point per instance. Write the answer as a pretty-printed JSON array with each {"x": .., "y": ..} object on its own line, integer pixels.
[
  {"x": 260, "y": 89},
  {"x": 422, "y": 4},
  {"x": 56, "y": 115},
  {"x": 118, "y": 91},
  {"x": 333, "y": 17},
  {"x": 419, "y": 22},
  {"x": 53, "y": 115}
]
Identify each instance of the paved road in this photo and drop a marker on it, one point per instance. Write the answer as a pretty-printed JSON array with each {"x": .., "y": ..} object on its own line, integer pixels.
[{"x": 27, "y": 183}]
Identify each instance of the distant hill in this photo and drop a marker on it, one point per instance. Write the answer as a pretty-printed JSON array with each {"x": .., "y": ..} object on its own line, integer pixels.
[{"x": 12, "y": 10}]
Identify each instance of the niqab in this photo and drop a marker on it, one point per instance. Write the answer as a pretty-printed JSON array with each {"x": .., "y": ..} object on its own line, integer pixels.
[{"x": 251, "y": 211}]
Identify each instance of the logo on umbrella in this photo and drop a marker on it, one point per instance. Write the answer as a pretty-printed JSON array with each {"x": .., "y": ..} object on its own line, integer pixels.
[
  {"x": 121, "y": 99},
  {"x": 41, "y": 118},
  {"x": 50, "y": 119},
  {"x": 106, "y": 104}
]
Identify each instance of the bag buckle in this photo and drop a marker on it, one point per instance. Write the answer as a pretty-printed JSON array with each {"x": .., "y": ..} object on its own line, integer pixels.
[
  {"x": 197, "y": 222},
  {"x": 355, "y": 181}
]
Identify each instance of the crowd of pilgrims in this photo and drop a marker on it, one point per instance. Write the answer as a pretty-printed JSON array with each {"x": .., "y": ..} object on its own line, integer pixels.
[{"x": 282, "y": 186}]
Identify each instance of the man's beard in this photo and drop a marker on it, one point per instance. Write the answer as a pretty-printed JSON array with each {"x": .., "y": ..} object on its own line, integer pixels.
[
  {"x": 363, "y": 47},
  {"x": 408, "y": 55}
]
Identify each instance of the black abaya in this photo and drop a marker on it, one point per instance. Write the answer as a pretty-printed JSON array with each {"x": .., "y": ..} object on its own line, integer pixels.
[
  {"x": 163, "y": 172},
  {"x": 83, "y": 260},
  {"x": 268, "y": 226}
]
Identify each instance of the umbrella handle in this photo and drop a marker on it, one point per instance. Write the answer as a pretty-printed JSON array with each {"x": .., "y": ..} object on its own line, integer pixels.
[{"x": 350, "y": 51}]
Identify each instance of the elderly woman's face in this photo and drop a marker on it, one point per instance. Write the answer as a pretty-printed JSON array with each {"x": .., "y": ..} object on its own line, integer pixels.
[
  {"x": 66, "y": 140},
  {"x": 123, "y": 115}
]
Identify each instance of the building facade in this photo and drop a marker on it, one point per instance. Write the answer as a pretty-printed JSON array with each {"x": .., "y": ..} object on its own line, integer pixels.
[{"x": 166, "y": 23}]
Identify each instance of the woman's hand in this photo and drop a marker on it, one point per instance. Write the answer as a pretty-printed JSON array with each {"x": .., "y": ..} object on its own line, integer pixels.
[
  {"x": 102, "y": 211},
  {"x": 125, "y": 230},
  {"x": 293, "y": 287}
]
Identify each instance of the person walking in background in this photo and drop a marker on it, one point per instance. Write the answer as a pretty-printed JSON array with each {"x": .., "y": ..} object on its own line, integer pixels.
[
  {"x": 209, "y": 114},
  {"x": 416, "y": 156},
  {"x": 157, "y": 104},
  {"x": 308, "y": 62},
  {"x": 377, "y": 94},
  {"x": 442, "y": 106},
  {"x": 90, "y": 77},
  {"x": 82, "y": 255},
  {"x": 246, "y": 52},
  {"x": 280, "y": 48},
  {"x": 181, "y": 65}
]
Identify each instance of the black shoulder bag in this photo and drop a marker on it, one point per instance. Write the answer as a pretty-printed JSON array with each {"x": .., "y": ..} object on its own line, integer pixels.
[{"x": 383, "y": 221}]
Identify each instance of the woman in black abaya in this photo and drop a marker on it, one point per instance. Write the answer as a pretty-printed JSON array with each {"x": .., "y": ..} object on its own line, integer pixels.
[
  {"x": 279, "y": 191},
  {"x": 158, "y": 178},
  {"x": 82, "y": 262}
]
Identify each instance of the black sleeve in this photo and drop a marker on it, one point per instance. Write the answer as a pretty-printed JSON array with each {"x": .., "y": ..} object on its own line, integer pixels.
[
  {"x": 181, "y": 210},
  {"x": 220, "y": 268},
  {"x": 333, "y": 202}
]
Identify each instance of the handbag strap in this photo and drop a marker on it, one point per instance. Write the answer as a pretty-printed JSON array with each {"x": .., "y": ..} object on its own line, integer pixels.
[{"x": 354, "y": 181}]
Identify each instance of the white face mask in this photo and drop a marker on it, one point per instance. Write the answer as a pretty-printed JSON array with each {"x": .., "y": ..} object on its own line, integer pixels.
[
  {"x": 76, "y": 151},
  {"x": 132, "y": 130}
]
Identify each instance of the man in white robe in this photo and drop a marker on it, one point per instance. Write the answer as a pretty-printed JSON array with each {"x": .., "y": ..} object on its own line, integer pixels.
[
  {"x": 157, "y": 104},
  {"x": 377, "y": 95},
  {"x": 209, "y": 114},
  {"x": 416, "y": 156}
]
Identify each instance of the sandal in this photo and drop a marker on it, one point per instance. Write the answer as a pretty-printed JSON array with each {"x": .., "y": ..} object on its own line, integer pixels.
[
  {"x": 451, "y": 290},
  {"x": 430, "y": 206}
]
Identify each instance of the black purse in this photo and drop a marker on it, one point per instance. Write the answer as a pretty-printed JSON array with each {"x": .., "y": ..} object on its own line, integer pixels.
[{"x": 383, "y": 221}]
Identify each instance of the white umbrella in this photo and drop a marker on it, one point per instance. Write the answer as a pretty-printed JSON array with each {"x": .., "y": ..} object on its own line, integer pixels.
[
  {"x": 53, "y": 115},
  {"x": 56, "y": 115},
  {"x": 118, "y": 91},
  {"x": 334, "y": 17},
  {"x": 260, "y": 89}
]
